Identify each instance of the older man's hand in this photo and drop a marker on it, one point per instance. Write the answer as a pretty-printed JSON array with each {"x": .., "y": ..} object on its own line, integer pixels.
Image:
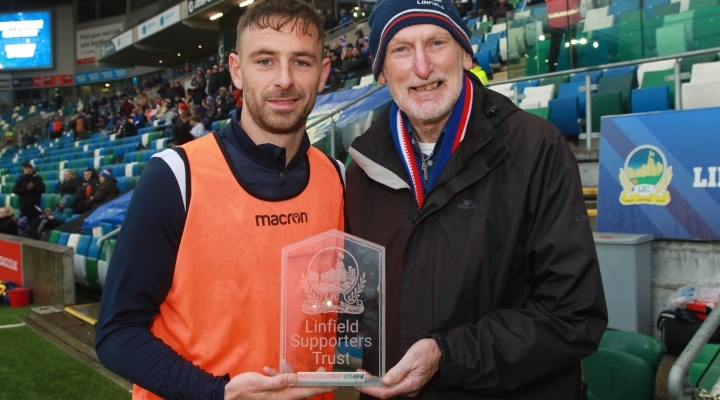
[{"x": 411, "y": 374}]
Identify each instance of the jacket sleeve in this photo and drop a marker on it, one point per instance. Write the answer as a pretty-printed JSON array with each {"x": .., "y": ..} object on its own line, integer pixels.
[
  {"x": 20, "y": 187},
  {"x": 39, "y": 185},
  {"x": 138, "y": 280},
  {"x": 565, "y": 316}
]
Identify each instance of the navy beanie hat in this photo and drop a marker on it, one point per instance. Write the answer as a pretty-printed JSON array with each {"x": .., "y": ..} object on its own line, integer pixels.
[{"x": 390, "y": 16}]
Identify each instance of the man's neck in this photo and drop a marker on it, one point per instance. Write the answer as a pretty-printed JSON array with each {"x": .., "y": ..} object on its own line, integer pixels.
[
  {"x": 428, "y": 131},
  {"x": 290, "y": 141}
]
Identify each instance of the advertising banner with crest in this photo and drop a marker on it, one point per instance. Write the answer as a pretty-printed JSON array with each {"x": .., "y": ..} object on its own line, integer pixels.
[{"x": 659, "y": 174}]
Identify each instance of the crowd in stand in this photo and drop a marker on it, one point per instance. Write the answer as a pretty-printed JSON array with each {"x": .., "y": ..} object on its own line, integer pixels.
[{"x": 349, "y": 59}]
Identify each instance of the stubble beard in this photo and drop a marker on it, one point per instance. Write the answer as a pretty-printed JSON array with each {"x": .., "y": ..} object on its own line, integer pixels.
[
  {"x": 278, "y": 123},
  {"x": 429, "y": 111}
]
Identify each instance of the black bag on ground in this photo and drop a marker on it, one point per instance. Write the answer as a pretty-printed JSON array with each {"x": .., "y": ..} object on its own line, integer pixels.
[{"x": 678, "y": 327}]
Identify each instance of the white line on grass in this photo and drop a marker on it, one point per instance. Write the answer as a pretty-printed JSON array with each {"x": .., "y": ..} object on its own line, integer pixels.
[{"x": 12, "y": 326}]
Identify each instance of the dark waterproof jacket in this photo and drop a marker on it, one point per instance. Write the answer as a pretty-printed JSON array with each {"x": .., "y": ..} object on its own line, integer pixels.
[
  {"x": 71, "y": 186},
  {"x": 499, "y": 265},
  {"x": 29, "y": 197},
  {"x": 107, "y": 191}
]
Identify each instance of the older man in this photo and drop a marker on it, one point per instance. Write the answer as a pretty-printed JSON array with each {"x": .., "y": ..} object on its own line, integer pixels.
[
  {"x": 191, "y": 305},
  {"x": 493, "y": 285}
]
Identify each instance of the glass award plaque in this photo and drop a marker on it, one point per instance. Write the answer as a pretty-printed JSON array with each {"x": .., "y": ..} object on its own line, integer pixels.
[{"x": 332, "y": 319}]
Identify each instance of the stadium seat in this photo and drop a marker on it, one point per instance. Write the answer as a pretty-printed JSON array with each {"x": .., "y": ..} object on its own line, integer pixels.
[
  {"x": 671, "y": 39},
  {"x": 576, "y": 90},
  {"x": 662, "y": 78},
  {"x": 605, "y": 104},
  {"x": 700, "y": 95},
  {"x": 542, "y": 112},
  {"x": 705, "y": 72},
  {"x": 525, "y": 84},
  {"x": 622, "y": 84},
  {"x": 662, "y": 10},
  {"x": 493, "y": 48},
  {"x": 540, "y": 95},
  {"x": 79, "y": 257},
  {"x": 686, "y": 63},
  {"x": 653, "y": 66},
  {"x": 651, "y": 99},
  {"x": 594, "y": 77},
  {"x": 599, "y": 23},
  {"x": 484, "y": 59},
  {"x": 618, "y": 71},
  {"x": 93, "y": 249},
  {"x": 565, "y": 114},
  {"x": 54, "y": 237},
  {"x": 556, "y": 81}
]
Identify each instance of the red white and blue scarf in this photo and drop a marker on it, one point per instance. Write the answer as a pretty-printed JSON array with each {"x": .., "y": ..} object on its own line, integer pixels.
[{"x": 454, "y": 134}]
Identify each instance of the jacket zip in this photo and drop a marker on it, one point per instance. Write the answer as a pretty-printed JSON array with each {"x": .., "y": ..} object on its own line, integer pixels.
[{"x": 282, "y": 179}]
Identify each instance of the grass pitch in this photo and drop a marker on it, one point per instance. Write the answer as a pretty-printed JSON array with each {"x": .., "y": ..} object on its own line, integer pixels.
[{"x": 33, "y": 368}]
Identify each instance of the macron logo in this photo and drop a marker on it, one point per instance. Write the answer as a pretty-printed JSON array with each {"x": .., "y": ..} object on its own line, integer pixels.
[{"x": 281, "y": 219}]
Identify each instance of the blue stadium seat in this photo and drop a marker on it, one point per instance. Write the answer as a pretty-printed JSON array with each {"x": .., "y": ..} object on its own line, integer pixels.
[
  {"x": 63, "y": 238},
  {"x": 107, "y": 228},
  {"x": 530, "y": 83},
  {"x": 215, "y": 126},
  {"x": 122, "y": 184},
  {"x": 656, "y": 98},
  {"x": 82, "y": 246},
  {"x": 594, "y": 77},
  {"x": 118, "y": 170},
  {"x": 618, "y": 71},
  {"x": 573, "y": 89},
  {"x": 495, "y": 37},
  {"x": 494, "y": 49},
  {"x": 618, "y": 7},
  {"x": 565, "y": 114},
  {"x": 476, "y": 40},
  {"x": 539, "y": 10},
  {"x": 93, "y": 249},
  {"x": 484, "y": 59}
]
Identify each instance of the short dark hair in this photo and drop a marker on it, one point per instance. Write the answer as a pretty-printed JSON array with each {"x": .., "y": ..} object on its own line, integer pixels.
[{"x": 277, "y": 13}]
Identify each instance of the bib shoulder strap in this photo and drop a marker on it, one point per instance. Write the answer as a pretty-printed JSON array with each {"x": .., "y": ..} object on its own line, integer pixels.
[{"x": 177, "y": 160}]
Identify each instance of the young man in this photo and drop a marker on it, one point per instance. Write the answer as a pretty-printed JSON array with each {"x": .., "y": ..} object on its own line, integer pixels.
[
  {"x": 192, "y": 302},
  {"x": 493, "y": 285}
]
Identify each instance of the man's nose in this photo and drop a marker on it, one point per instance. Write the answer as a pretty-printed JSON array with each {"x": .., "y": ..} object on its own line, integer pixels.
[
  {"x": 423, "y": 66},
  {"x": 285, "y": 78}
]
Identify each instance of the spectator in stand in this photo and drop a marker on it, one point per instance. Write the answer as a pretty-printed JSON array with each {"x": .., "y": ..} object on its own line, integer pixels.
[
  {"x": 126, "y": 107},
  {"x": 8, "y": 221},
  {"x": 190, "y": 97},
  {"x": 344, "y": 19},
  {"x": 214, "y": 81},
  {"x": 71, "y": 183},
  {"x": 37, "y": 133},
  {"x": 127, "y": 129},
  {"x": 330, "y": 20},
  {"x": 59, "y": 101},
  {"x": 87, "y": 190},
  {"x": 27, "y": 140},
  {"x": 138, "y": 119},
  {"x": 357, "y": 64},
  {"x": 199, "y": 85},
  {"x": 225, "y": 78},
  {"x": 80, "y": 127},
  {"x": 359, "y": 37},
  {"x": 210, "y": 111},
  {"x": 197, "y": 129},
  {"x": 107, "y": 191},
  {"x": 44, "y": 103},
  {"x": 478, "y": 71},
  {"x": 57, "y": 129},
  {"x": 164, "y": 89},
  {"x": 29, "y": 187},
  {"x": 178, "y": 100},
  {"x": 182, "y": 129},
  {"x": 223, "y": 108},
  {"x": 64, "y": 209},
  {"x": 500, "y": 9}
]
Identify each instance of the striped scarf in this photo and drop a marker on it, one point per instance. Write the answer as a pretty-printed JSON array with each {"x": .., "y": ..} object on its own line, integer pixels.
[{"x": 454, "y": 134}]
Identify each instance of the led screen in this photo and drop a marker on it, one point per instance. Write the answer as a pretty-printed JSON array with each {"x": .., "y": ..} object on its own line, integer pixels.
[{"x": 26, "y": 40}]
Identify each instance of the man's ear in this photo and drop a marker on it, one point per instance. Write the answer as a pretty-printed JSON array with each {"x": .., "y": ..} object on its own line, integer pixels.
[
  {"x": 324, "y": 73},
  {"x": 381, "y": 78},
  {"x": 235, "y": 71},
  {"x": 467, "y": 61}
]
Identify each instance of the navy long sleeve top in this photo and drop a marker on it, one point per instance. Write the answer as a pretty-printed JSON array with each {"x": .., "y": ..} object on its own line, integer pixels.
[{"x": 141, "y": 271}]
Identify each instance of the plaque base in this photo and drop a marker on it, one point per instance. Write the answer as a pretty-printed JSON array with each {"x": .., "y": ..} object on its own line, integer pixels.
[{"x": 337, "y": 379}]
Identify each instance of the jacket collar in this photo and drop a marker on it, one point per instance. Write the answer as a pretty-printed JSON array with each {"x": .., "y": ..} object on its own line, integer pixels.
[{"x": 375, "y": 152}]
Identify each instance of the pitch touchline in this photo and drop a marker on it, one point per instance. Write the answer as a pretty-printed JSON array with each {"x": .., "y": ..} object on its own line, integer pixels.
[{"x": 12, "y": 326}]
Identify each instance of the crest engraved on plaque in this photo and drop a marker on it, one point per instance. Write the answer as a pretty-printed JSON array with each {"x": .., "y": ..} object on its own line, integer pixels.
[{"x": 333, "y": 286}]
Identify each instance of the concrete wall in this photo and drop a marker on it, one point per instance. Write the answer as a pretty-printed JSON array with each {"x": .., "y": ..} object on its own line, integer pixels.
[
  {"x": 47, "y": 270},
  {"x": 679, "y": 263}
]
